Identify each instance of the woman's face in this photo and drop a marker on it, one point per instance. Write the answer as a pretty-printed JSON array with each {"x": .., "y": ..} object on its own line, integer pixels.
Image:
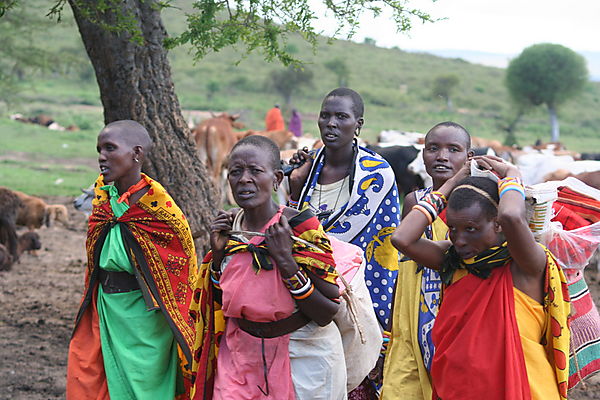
[
  {"x": 337, "y": 122},
  {"x": 445, "y": 152},
  {"x": 471, "y": 231},
  {"x": 116, "y": 157},
  {"x": 251, "y": 177}
]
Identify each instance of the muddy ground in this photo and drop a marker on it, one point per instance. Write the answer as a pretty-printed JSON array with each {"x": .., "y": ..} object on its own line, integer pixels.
[{"x": 39, "y": 299}]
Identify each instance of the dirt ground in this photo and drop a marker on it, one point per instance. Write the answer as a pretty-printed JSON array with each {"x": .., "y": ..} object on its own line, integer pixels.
[{"x": 38, "y": 302}]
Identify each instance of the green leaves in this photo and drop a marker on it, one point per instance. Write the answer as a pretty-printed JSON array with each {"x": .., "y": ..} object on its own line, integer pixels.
[
  {"x": 266, "y": 25},
  {"x": 546, "y": 74}
]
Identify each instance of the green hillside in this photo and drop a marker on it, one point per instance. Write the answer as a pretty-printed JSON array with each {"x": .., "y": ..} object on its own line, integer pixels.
[{"x": 396, "y": 86}]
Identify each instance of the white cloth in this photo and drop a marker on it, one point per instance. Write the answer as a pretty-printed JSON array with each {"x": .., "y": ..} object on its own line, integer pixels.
[{"x": 317, "y": 363}]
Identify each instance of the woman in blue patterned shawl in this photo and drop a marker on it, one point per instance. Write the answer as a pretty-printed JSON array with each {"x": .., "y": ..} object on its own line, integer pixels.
[{"x": 353, "y": 192}]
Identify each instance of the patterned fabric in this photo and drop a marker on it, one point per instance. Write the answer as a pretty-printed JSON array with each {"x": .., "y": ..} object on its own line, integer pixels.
[
  {"x": 160, "y": 243},
  {"x": 429, "y": 298},
  {"x": 584, "y": 357},
  {"x": 481, "y": 265},
  {"x": 493, "y": 366},
  {"x": 206, "y": 309},
  {"x": 367, "y": 220}
]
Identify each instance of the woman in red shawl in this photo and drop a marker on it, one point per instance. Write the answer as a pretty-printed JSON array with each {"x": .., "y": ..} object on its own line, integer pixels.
[
  {"x": 501, "y": 331},
  {"x": 133, "y": 334}
]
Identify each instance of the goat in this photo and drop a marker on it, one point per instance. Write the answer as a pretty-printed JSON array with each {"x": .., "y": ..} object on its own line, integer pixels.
[
  {"x": 29, "y": 241},
  {"x": 35, "y": 212},
  {"x": 83, "y": 202},
  {"x": 10, "y": 205}
]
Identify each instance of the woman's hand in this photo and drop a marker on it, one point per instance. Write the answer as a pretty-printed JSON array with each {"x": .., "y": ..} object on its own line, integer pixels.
[
  {"x": 279, "y": 242},
  {"x": 451, "y": 183},
  {"x": 219, "y": 228},
  {"x": 299, "y": 175},
  {"x": 498, "y": 166}
]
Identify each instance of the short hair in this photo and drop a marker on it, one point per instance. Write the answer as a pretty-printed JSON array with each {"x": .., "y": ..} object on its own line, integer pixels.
[
  {"x": 463, "y": 197},
  {"x": 451, "y": 124},
  {"x": 262, "y": 143},
  {"x": 358, "y": 106},
  {"x": 134, "y": 133}
]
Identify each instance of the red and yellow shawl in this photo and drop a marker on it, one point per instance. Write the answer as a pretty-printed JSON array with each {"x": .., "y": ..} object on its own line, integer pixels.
[
  {"x": 161, "y": 246},
  {"x": 206, "y": 310},
  {"x": 478, "y": 351}
]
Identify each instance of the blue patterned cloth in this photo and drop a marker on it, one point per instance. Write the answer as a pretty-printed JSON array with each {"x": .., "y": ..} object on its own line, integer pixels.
[
  {"x": 429, "y": 300},
  {"x": 367, "y": 220}
]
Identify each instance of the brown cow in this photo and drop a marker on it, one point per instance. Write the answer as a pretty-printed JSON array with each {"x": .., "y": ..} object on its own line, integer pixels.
[
  {"x": 214, "y": 138},
  {"x": 589, "y": 178},
  {"x": 282, "y": 138}
]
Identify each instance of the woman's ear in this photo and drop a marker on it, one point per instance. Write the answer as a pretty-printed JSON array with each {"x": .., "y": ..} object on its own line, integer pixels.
[
  {"x": 277, "y": 179},
  {"x": 138, "y": 152},
  {"x": 470, "y": 154},
  {"x": 497, "y": 226},
  {"x": 359, "y": 124}
]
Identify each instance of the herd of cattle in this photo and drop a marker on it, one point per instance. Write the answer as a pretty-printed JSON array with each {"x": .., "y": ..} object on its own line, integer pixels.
[
  {"x": 215, "y": 137},
  {"x": 20, "y": 209}
]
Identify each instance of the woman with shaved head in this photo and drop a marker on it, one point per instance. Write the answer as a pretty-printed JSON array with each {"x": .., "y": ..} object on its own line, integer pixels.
[{"x": 132, "y": 337}]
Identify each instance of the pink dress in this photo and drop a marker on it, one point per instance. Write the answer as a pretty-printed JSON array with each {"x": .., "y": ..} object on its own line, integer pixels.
[{"x": 258, "y": 297}]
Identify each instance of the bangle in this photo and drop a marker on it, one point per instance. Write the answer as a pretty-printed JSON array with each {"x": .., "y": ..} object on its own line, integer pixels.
[
  {"x": 430, "y": 208},
  {"x": 306, "y": 286},
  {"x": 515, "y": 188},
  {"x": 296, "y": 281},
  {"x": 305, "y": 295},
  {"x": 424, "y": 211},
  {"x": 510, "y": 183}
]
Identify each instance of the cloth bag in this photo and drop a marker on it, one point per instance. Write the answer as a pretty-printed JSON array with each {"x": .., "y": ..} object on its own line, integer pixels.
[{"x": 355, "y": 319}]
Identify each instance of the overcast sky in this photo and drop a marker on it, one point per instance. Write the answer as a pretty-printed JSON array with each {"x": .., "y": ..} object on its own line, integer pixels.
[{"x": 494, "y": 26}]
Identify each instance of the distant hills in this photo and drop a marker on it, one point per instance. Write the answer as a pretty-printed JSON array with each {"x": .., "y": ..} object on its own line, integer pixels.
[{"x": 502, "y": 60}]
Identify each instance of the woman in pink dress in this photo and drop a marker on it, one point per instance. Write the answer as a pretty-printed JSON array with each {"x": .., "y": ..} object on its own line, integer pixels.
[{"x": 277, "y": 296}]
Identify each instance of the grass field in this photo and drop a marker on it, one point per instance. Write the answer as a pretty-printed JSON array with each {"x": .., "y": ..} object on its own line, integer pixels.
[{"x": 396, "y": 86}]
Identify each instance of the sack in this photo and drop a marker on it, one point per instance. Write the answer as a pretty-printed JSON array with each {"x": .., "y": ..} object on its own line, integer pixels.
[{"x": 356, "y": 319}]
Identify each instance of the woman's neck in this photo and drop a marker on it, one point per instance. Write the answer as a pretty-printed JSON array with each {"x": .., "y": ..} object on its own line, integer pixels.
[
  {"x": 125, "y": 183},
  {"x": 257, "y": 217},
  {"x": 340, "y": 157}
]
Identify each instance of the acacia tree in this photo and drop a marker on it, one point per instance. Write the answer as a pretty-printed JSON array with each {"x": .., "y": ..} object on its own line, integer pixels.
[
  {"x": 290, "y": 80},
  {"x": 341, "y": 70},
  {"x": 547, "y": 74},
  {"x": 127, "y": 45},
  {"x": 443, "y": 86}
]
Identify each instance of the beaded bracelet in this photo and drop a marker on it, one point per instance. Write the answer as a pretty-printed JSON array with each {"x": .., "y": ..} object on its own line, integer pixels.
[
  {"x": 296, "y": 281},
  {"x": 293, "y": 203},
  {"x": 510, "y": 183},
  {"x": 214, "y": 277},
  {"x": 386, "y": 341},
  {"x": 424, "y": 211},
  {"x": 441, "y": 196}
]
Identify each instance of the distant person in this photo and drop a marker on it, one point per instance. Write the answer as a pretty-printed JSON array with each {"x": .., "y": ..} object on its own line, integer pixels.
[
  {"x": 132, "y": 336},
  {"x": 274, "y": 119},
  {"x": 295, "y": 125}
]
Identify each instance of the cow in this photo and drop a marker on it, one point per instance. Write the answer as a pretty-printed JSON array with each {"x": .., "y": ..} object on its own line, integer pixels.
[
  {"x": 282, "y": 138},
  {"x": 399, "y": 157},
  {"x": 591, "y": 178},
  {"x": 214, "y": 139}
]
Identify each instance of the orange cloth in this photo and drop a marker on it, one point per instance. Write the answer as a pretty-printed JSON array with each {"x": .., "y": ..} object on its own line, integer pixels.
[
  {"x": 531, "y": 319},
  {"x": 274, "y": 120}
]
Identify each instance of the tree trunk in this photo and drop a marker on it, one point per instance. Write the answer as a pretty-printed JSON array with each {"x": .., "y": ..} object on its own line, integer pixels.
[
  {"x": 135, "y": 83},
  {"x": 449, "y": 105},
  {"x": 554, "y": 124}
]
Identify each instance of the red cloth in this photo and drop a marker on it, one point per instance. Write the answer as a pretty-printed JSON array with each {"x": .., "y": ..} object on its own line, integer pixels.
[
  {"x": 274, "y": 120},
  {"x": 478, "y": 352},
  {"x": 581, "y": 204}
]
